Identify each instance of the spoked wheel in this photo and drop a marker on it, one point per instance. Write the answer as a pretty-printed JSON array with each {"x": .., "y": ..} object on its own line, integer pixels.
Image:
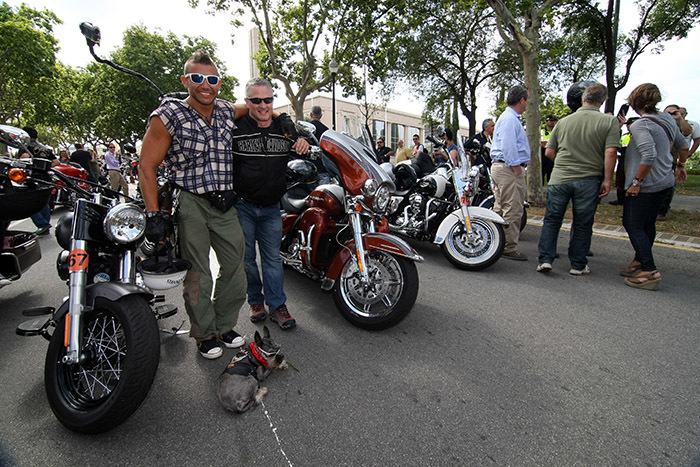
[
  {"x": 476, "y": 251},
  {"x": 385, "y": 299},
  {"x": 121, "y": 349}
]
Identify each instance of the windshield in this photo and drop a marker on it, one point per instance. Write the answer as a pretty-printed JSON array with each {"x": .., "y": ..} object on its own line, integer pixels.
[{"x": 354, "y": 160}]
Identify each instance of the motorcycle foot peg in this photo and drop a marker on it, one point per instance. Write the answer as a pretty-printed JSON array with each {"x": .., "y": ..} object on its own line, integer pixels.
[
  {"x": 34, "y": 327},
  {"x": 39, "y": 311},
  {"x": 165, "y": 311},
  {"x": 158, "y": 299}
]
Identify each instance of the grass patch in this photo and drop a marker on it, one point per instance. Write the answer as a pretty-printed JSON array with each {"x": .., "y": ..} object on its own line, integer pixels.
[
  {"x": 678, "y": 222},
  {"x": 690, "y": 187}
]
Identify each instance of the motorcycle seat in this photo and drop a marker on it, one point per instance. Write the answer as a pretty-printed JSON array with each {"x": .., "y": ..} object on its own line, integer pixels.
[{"x": 295, "y": 206}]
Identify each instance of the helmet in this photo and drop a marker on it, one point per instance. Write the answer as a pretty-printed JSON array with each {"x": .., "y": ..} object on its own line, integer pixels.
[
  {"x": 573, "y": 95},
  {"x": 161, "y": 273},
  {"x": 405, "y": 176},
  {"x": 299, "y": 170}
]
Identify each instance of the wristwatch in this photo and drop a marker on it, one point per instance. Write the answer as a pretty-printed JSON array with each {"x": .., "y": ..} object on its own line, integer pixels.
[
  {"x": 152, "y": 214},
  {"x": 637, "y": 182}
]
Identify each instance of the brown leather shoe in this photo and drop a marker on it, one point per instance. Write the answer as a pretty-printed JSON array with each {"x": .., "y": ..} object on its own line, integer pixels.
[{"x": 515, "y": 255}]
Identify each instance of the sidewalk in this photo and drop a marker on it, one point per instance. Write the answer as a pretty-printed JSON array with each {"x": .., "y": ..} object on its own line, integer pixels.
[{"x": 680, "y": 202}]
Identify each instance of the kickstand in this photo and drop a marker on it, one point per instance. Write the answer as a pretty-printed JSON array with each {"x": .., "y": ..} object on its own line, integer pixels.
[{"x": 176, "y": 331}]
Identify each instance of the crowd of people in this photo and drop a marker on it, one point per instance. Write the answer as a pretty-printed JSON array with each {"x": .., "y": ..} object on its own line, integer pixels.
[{"x": 585, "y": 148}]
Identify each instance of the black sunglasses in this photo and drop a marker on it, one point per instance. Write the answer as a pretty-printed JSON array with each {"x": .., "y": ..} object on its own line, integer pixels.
[
  {"x": 198, "y": 78},
  {"x": 257, "y": 100}
]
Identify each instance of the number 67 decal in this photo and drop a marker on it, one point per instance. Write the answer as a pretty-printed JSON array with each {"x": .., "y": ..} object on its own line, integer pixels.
[{"x": 77, "y": 260}]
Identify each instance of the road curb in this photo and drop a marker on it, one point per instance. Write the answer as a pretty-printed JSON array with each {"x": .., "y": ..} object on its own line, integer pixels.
[{"x": 667, "y": 238}]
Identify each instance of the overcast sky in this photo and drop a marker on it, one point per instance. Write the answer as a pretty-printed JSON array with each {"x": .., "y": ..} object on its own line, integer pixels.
[{"x": 676, "y": 71}]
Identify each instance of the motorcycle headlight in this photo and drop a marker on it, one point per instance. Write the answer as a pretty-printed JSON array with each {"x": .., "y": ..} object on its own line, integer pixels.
[
  {"x": 369, "y": 189},
  {"x": 382, "y": 198},
  {"x": 125, "y": 223}
]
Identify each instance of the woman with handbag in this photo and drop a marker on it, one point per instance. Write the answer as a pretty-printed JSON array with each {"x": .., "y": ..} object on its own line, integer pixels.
[{"x": 649, "y": 176}]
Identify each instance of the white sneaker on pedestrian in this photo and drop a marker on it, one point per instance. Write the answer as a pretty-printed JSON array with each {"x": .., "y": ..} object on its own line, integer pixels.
[
  {"x": 580, "y": 272},
  {"x": 544, "y": 267}
]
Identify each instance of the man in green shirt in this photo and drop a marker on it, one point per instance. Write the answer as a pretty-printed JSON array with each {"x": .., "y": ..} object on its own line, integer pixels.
[{"x": 583, "y": 147}]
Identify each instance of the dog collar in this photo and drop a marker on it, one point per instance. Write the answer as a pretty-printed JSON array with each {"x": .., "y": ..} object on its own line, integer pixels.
[{"x": 256, "y": 354}]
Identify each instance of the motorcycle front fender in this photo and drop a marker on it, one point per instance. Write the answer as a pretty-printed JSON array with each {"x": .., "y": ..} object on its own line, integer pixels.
[
  {"x": 372, "y": 241},
  {"x": 456, "y": 216},
  {"x": 111, "y": 291}
]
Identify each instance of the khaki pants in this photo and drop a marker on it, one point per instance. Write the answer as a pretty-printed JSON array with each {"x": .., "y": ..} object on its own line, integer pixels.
[
  {"x": 202, "y": 226},
  {"x": 510, "y": 199},
  {"x": 116, "y": 181}
]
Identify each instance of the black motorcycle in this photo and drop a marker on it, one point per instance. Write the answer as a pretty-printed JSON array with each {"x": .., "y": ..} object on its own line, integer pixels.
[{"x": 104, "y": 344}]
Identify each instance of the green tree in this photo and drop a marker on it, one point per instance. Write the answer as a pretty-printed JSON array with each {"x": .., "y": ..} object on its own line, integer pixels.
[
  {"x": 658, "y": 21},
  {"x": 450, "y": 54},
  {"x": 299, "y": 37},
  {"x": 28, "y": 50}
]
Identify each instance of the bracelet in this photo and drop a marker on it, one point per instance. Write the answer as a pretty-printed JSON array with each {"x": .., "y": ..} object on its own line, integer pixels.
[{"x": 681, "y": 165}]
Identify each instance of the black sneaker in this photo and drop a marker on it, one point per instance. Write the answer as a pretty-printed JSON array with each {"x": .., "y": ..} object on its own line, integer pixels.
[
  {"x": 282, "y": 317},
  {"x": 232, "y": 339},
  {"x": 210, "y": 349}
]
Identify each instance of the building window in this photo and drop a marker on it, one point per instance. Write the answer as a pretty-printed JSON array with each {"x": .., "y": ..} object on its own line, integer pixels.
[
  {"x": 397, "y": 133},
  {"x": 414, "y": 131},
  {"x": 378, "y": 129}
]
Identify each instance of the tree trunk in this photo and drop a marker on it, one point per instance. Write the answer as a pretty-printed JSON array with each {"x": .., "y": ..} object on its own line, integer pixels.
[{"x": 535, "y": 192}]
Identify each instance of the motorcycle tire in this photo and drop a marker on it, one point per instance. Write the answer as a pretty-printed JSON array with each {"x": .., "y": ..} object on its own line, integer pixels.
[
  {"x": 394, "y": 288},
  {"x": 121, "y": 344},
  {"x": 478, "y": 253}
]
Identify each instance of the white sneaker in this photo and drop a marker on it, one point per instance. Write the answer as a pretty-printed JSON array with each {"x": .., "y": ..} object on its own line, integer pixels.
[
  {"x": 544, "y": 267},
  {"x": 210, "y": 349},
  {"x": 580, "y": 272}
]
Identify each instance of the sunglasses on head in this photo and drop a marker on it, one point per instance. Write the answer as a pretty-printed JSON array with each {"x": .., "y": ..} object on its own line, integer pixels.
[
  {"x": 257, "y": 100},
  {"x": 198, "y": 78}
]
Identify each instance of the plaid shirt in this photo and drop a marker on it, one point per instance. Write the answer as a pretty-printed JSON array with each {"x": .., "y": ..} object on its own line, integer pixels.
[{"x": 199, "y": 159}]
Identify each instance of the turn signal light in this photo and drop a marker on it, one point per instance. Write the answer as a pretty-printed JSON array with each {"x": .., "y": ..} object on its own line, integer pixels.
[{"x": 17, "y": 175}]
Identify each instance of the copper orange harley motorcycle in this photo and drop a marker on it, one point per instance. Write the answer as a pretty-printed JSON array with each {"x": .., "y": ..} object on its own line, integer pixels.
[{"x": 338, "y": 234}]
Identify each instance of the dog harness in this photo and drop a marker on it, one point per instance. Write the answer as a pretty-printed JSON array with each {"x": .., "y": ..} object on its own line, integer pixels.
[{"x": 246, "y": 362}]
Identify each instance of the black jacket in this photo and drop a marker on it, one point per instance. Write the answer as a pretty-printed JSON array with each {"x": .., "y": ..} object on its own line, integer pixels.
[{"x": 260, "y": 158}]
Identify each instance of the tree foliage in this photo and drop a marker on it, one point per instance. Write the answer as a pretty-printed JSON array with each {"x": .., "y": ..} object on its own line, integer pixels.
[
  {"x": 299, "y": 37},
  {"x": 450, "y": 53},
  {"x": 658, "y": 21},
  {"x": 28, "y": 50}
]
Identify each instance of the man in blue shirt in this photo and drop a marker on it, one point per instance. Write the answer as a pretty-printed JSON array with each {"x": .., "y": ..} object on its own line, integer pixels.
[{"x": 510, "y": 153}]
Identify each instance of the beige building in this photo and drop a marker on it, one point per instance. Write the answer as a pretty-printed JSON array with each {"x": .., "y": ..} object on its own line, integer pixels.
[{"x": 393, "y": 125}]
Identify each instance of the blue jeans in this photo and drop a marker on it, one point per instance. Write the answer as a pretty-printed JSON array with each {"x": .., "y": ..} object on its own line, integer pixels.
[
  {"x": 583, "y": 195},
  {"x": 264, "y": 226},
  {"x": 42, "y": 219},
  {"x": 639, "y": 219}
]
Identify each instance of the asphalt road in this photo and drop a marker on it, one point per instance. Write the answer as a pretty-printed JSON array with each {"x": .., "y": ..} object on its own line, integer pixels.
[{"x": 500, "y": 367}]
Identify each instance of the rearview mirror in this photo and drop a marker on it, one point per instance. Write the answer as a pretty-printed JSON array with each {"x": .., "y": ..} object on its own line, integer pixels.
[{"x": 91, "y": 33}]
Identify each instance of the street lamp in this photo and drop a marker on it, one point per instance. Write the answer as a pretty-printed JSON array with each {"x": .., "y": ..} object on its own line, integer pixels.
[{"x": 333, "y": 68}]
